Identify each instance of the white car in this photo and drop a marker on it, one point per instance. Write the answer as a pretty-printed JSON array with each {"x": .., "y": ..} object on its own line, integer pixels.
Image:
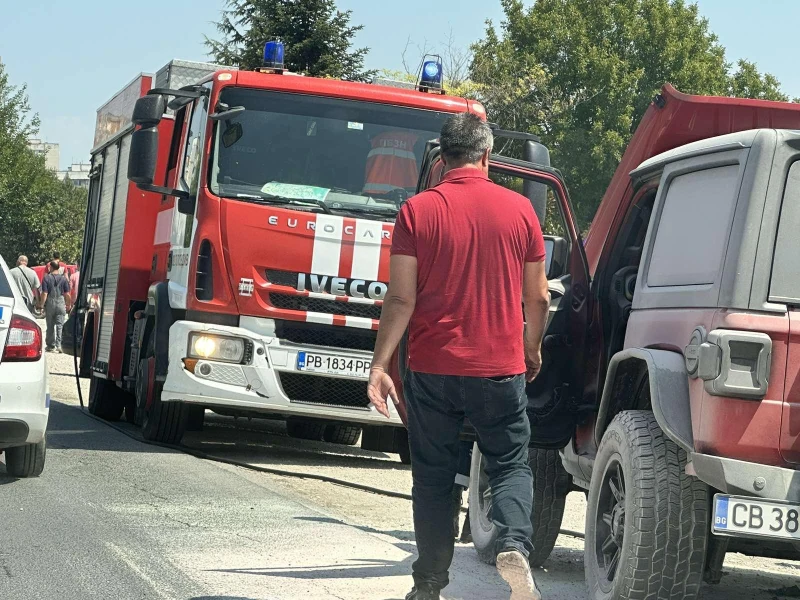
[{"x": 24, "y": 392}]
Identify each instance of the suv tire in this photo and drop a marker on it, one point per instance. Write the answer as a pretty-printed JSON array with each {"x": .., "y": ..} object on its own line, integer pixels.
[
  {"x": 346, "y": 435},
  {"x": 647, "y": 521},
  {"x": 27, "y": 460},
  {"x": 551, "y": 484},
  {"x": 105, "y": 399}
]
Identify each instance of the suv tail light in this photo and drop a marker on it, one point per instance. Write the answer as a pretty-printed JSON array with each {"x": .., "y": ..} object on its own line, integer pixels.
[{"x": 24, "y": 342}]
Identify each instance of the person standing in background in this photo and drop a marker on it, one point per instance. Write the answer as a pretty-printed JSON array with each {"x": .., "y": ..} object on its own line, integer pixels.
[
  {"x": 61, "y": 265},
  {"x": 27, "y": 281},
  {"x": 74, "y": 282},
  {"x": 57, "y": 302}
]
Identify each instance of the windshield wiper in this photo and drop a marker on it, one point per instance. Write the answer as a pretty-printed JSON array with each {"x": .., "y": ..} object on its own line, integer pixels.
[
  {"x": 273, "y": 199},
  {"x": 384, "y": 211}
]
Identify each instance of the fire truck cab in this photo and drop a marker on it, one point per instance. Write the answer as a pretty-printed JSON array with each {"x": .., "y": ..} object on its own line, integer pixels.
[{"x": 237, "y": 246}]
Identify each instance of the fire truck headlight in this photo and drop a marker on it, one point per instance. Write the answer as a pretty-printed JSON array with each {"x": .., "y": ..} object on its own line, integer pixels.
[{"x": 217, "y": 347}]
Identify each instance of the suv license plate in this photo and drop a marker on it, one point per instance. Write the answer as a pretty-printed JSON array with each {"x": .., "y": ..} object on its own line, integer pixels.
[
  {"x": 331, "y": 364},
  {"x": 742, "y": 516}
]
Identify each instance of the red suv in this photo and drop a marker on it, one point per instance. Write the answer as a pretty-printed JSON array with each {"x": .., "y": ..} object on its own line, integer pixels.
[{"x": 670, "y": 388}]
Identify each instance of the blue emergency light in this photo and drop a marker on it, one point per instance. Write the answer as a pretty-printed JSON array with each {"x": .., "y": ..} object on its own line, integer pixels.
[
  {"x": 431, "y": 77},
  {"x": 273, "y": 55}
]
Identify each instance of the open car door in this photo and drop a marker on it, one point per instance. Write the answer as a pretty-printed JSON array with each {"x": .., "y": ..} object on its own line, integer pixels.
[{"x": 552, "y": 407}]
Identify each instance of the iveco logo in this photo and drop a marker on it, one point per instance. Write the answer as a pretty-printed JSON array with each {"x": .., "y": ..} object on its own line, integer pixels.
[{"x": 341, "y": 286}]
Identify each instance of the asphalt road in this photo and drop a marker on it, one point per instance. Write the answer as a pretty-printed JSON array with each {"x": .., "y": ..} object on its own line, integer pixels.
[{"x": 112, "y": 517}]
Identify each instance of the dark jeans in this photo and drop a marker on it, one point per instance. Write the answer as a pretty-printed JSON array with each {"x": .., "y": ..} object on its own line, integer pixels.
[
  {"x": 55, "y": 313},
  {"x": 437, "y": 405}
]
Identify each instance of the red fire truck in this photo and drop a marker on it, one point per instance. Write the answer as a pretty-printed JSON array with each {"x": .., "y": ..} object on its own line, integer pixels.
[{"x": 237, "y": 245}]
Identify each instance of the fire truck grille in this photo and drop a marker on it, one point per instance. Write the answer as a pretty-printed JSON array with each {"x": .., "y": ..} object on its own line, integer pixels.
[
  {"x": 287, "y": 278},
  {"x": 315, "y": 389},
  {"x": 313, "y": 334},
  {"x": 334, "y": 307}
]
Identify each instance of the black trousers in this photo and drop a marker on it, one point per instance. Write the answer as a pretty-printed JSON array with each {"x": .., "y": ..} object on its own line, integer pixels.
[{"x": 437, "y": 405}]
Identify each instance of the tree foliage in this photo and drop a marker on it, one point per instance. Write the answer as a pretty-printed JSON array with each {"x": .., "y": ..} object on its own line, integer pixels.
[
  {"x": 317, "y": 36},
  {"x": 581, "y": 74},
  {"x": 38, "y": 213}
]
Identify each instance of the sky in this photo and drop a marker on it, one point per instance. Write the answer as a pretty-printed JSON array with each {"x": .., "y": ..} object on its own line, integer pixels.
[{"x": 74, "y": 56}]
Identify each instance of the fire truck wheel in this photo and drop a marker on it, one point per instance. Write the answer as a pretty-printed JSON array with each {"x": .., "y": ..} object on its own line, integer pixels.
[
  {"x": 305, "y": 429},
  {"x": 27, "y": 460},
  {"x": 647, "y": 521},
  {"x": 195, "y": 415},
  {"x": 162, "y": 422},
  {"x": 551, "y": 484},
  {"x": 105, "y": 399},
  {"x": 347, "y": 435}
]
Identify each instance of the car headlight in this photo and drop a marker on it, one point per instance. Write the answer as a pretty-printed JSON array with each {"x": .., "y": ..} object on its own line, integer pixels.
[{"x": 218, "y": 347}]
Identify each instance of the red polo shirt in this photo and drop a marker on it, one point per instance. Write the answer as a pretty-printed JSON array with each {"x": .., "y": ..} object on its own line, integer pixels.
[{"x": 471, "y": 238}]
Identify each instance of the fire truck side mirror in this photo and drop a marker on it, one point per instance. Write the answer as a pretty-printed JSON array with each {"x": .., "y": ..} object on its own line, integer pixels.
[
  {"x": 143, "y": 156},
  {"x": 148, "y": 111},
  {"x": 538, "y": 154}
]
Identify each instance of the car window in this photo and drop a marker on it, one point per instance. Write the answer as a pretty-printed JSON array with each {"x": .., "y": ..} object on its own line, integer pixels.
[
  {"x": 5, "y": 285},
  {"x": 693, "y": 228},
  {"x": 785, "y": 283}
]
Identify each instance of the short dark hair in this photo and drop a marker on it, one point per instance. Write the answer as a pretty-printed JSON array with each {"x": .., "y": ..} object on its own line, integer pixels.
[
  {"x": 54, "y": 265},
  {"x": 56, "y": 255},
  {"x": 464, "y": 138}
]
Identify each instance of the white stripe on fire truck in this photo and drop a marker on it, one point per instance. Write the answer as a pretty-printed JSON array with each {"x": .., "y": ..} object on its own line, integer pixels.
[
  {"x": 321, "y": 318},
  {"x": 355, "y": 300},
  {"x": 367, "y": 250},
  {"x": 360, "y": 322},
  {"x": 163, "y": 227},
  {"x": 327, "y": 245}
]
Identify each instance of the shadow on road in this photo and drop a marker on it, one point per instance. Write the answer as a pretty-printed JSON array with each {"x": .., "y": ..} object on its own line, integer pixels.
[
  {"x": 70, "y": 428},
  {"x": 221, "y": 598},
  {"x": 395, "y": 533}
]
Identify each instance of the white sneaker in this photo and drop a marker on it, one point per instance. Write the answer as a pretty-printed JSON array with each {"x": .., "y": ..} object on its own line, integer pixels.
[{"x": 514, "y": 568}]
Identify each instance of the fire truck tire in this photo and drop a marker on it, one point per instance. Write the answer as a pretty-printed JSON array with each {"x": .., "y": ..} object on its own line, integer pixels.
[
  {"x": 305, "y": 429},
  {"x": 27, "y": 460},
  {"x": 551, "y": 484},
  {"x": 163, "y": 422},
  {"x": 347, "y": 435},
  {"x": 195, "y": 415},
  {"x": 105, "y": 399},
  {"x": 647, "y": 521}
]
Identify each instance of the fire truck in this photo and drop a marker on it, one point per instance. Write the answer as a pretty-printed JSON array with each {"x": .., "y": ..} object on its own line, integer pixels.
[{"x": 236, "y": 248}]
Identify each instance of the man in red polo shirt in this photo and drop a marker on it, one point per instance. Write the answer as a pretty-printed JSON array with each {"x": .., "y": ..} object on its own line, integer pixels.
[{"x": 466, "y": 255}]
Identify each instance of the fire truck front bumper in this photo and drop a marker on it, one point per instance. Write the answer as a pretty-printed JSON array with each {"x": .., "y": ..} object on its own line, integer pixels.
[{"x": 251, "y": 369}]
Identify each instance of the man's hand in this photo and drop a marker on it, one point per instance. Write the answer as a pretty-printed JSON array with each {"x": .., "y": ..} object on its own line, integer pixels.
[
  {"x": 380, "y": 387},
  {"x": 533, "y": 360}
]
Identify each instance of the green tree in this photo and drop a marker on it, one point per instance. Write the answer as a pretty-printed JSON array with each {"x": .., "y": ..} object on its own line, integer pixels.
[
  {"x": 38, "y": 213},
  {"x": 581, "y": 74},
  {"x": 747, "y": 82},
  {"x": 317, "y": 36}
]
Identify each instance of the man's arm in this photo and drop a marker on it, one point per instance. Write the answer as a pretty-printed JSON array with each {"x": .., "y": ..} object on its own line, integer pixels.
[
  {"x": 536, "y": 301},
  {"x": 398, "y": 307},
  {"x": 67, "y": 297}
]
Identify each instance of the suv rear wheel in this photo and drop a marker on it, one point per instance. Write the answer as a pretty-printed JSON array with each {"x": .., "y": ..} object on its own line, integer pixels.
[
  {"x": 646, "y": 520},
  {"x": 551, "y": 484}
]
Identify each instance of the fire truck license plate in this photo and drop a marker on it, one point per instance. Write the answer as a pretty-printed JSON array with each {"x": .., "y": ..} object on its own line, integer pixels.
[
  {"x": 736, "y": 515},
  {"x": 331, "y": 364}
]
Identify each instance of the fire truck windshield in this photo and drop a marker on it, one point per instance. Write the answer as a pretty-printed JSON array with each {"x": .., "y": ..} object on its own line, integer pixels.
[{"x": 315, "y": 153}]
